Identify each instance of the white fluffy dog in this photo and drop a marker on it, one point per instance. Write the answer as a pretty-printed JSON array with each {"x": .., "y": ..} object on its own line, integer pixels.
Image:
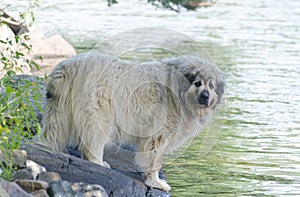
[{"x": 94, "y": 98}]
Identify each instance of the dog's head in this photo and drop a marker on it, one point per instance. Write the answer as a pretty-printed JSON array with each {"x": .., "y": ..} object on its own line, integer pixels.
[{"x": 201, "y": 83}]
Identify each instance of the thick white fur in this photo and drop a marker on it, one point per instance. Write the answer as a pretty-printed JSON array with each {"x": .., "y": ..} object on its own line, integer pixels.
[{"x": 95, "y": 98}]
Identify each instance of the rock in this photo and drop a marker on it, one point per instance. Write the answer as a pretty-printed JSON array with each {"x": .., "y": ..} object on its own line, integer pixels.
[
  {"x": 3, "y": 192},
  {"x": 58, "y": 187},
  {"x": 52, "y": 50},
  {"x": 40, "y": 193},
  {"x": 45, "y": 51},
  {"x": 32, "y": 185},
  {"x": 13, "y": 189},
  {"x": 88, "y": 190},
  {"x": 61, "y": 188},
  {"x": 34, "y": 168},
  {"x": 23, "y": 174},
  {"x": 49, "y": 177},
  {"x": 52, "y": 47},
  {"x": 6, "y": 32},
  {"x": 17, "y": 157},
  {"x": 64, "y": 188},
  {"x": 75, "y": 169}
]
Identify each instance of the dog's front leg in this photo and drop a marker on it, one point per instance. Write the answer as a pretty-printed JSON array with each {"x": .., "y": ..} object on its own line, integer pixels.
[
  {"x": 152, "y": 175},
  {"x": 149, "y": 158},
  {"x": 96, "y": 156}
]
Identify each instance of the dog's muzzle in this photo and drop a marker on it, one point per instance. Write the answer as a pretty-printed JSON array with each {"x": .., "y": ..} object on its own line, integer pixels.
[{"x": 204, "y": 98}]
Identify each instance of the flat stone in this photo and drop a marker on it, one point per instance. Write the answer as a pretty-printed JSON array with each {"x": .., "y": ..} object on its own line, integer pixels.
[
  {"x": 34, "y": 168},
  {"x": 49, "y": 177},
  {"x": 32, "y": 185}
]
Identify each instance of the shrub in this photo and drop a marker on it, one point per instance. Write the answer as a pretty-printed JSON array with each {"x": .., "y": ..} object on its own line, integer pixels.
[{"x": 20, "y": 95}]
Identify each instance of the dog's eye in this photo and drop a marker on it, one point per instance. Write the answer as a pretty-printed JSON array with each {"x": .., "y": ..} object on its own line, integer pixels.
[{"x": 198, "y": 84}]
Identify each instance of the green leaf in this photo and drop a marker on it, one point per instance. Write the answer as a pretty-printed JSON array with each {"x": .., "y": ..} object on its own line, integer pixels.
[
  {"x": 34, "y": 64},
  {"x": 9, "y": 90},
  {"x": 17, "y": 38},
  {"x": 19, "y": 54},
  {"x": 10, "y": 42},
  {"x": 26, "y": 46}
]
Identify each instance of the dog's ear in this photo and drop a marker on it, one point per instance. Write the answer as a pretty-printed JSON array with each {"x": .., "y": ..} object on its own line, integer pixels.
[{"x": 190, "y": 77}]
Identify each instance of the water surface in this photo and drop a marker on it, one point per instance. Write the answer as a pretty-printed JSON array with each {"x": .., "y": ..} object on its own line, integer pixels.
[{"x": 256, "y": 44}]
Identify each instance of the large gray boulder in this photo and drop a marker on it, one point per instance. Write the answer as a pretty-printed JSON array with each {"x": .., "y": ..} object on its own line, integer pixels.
[{"x": 46, "y": 51}]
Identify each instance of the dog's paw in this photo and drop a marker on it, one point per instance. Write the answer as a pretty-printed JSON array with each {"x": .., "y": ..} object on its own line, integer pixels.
[
  {"x": 160, "y": 184},
  {"x": 102, "y": 163}
]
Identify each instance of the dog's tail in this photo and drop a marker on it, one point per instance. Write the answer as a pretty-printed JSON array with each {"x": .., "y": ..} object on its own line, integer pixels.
[{"x": 56, "y": 121}]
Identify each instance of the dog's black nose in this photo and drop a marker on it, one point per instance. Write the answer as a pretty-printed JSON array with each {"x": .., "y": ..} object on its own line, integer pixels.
[{"x": 204, "y": 98}]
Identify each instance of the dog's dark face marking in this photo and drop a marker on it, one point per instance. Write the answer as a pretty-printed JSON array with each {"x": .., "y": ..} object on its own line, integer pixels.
[{"x": 190, "y": 77}]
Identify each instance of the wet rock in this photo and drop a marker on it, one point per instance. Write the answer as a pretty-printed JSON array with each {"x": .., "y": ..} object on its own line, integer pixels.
[
  {"x": 17, "y": 157},
  {"x": 32, "y": 185},
  {"x": 49, "y": 177},
  {"x": 13, "y": 189},
  {"x": 34, "y": 168}
]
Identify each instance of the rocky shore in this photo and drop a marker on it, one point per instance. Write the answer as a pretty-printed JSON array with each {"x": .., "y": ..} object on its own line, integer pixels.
[
  {"x": 31, "y": 179},
  {"x": 40, "y": 171}
]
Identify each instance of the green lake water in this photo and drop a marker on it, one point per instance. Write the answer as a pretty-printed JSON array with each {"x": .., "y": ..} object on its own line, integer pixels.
[{"x": 252, "y": 148}]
